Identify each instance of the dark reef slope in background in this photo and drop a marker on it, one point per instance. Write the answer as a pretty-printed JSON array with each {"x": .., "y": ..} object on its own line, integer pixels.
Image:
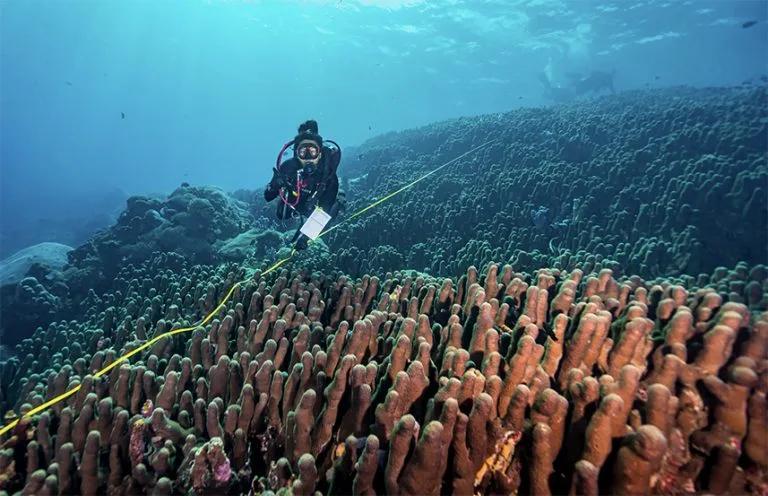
[
  {"x": 154, "y": 372},
  {"x": 654, "y": 183},
  {"x": 662, "y": 183}
]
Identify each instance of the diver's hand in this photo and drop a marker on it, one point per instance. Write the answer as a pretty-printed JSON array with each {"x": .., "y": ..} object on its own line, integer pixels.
[
  {"x": 301, "y": 244},
  {"x": 275, "y": 182},
  {"x": 310, "y": 205},
  {"x": 278, "y": 180}
]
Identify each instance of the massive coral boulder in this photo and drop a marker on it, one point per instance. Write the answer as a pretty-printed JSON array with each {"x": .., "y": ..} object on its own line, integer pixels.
[
  {"x": 190, "y": 221},
  {"x": 49, "y": 256},
  {"x": 25, "y": 303}
]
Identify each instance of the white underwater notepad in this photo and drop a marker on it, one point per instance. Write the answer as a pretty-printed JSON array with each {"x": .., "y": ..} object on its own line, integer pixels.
[{"x": 315, "y": 224}]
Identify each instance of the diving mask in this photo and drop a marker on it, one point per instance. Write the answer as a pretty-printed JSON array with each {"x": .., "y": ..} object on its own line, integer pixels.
[{"x": 308, "y": 151}]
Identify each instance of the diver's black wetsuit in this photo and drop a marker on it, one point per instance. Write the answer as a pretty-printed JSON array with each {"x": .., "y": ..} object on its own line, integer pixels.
[{"x": 317, "y": 189}]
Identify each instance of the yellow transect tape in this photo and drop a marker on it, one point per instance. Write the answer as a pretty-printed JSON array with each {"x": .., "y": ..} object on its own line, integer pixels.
[{"x": 210, "y": 316}]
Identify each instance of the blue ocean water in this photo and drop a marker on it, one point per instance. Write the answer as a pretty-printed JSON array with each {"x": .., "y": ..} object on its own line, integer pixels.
[
  {"x": 587, "y": 239},
  {"x": 105, "y": 99}
]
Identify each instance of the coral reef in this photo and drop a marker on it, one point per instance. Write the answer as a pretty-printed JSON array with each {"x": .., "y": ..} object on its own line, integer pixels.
[
  {"x": 672, "y": 193},
  {"x": 568, "y": 334},
  {"x": 15, "y": 267},
  {"x": 675, "y": 190},
  {"x": 499, "y": 382},
  {"x": 188, "y": 222}
]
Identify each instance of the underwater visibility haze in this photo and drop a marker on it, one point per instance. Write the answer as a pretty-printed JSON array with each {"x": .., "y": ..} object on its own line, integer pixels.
[
  {"x": 107, "y": 99},
  {"x": 383, "y": 246}
]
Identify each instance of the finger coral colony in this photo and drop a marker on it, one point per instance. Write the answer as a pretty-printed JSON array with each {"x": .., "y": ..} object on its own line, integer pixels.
[{"x": 517, "y": 370}]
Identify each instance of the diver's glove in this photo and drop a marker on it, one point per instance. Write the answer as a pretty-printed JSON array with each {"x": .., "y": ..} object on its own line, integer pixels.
[
  {"x": 278, "y": 180},
  {"x": 302, "y": 243}
]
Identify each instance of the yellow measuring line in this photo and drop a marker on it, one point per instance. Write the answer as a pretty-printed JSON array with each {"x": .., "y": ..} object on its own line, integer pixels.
[
  {"x": 154, "y": 340},
  {"x": 377, "y": 202}
]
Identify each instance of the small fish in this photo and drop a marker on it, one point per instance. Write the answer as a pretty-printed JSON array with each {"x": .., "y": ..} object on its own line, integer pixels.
[
  {"x": 122, "y": 115},
  {"x": 748, "y": 24},
  {"x": 369, "y": 128},
  {"x": 396, "y": 293},
  {"x": 657, "y": 78}
]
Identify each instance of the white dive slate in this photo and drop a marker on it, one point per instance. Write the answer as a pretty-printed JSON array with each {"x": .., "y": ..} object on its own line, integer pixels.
[{"x": 315, "y": 224}]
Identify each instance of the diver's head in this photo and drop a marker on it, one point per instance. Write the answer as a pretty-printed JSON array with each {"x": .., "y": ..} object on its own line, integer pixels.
[
  {"x": 308, "y": 146},
  {"x": 308, "y": 152}
]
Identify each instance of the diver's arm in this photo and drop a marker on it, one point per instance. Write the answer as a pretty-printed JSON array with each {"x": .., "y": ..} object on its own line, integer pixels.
[
  {"x": 279, "y": 179},
  {"x": 328, "y": 198},
  {"x": 270, "y": 193}
]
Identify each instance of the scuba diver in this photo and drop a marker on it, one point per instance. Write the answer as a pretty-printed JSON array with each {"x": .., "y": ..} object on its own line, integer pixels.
[{"x": 307, "y": 183}]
